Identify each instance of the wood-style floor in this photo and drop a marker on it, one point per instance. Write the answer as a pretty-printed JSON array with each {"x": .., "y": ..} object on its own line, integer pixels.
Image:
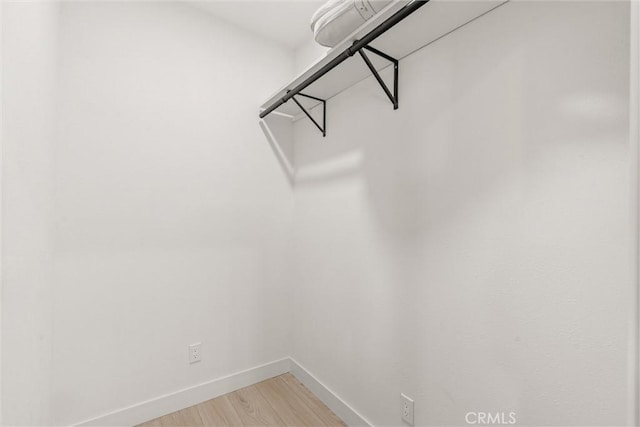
[{"x": 280, "y": 401}]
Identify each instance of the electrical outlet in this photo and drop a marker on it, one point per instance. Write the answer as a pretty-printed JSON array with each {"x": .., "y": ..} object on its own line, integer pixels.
[
  {"x": 195, "y": 353},
  {"x": 406, "y": 408}
]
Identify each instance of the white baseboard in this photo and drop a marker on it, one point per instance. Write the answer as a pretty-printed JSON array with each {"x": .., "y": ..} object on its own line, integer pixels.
[
  {"x": 349, "y": 415},
  {"x": 168, "y": 403},
  {"x": 190, "y": 396}
]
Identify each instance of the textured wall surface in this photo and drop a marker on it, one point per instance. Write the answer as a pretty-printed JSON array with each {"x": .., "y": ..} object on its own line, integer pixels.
[
  {"x": 146, "y": 210},
  {"x": 472, "y": 249}
]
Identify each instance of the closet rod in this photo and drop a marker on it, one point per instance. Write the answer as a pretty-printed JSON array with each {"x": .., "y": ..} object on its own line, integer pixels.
[{"x": 349, "y": 52}]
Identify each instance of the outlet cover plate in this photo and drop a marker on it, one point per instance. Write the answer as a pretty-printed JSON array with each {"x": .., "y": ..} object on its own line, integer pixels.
[
  {"x": 195, "y": 352},
  {"x": 406, "y": 409}
]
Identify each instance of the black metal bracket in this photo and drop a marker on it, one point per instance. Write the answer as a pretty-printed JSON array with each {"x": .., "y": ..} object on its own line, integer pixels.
[
  {"x": 322, "y": 128},
  {"x": 392, "y": 97},
  {"x": 364, "y": 42}
]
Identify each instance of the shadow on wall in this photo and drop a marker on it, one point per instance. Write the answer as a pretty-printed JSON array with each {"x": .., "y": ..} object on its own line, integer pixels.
[
  {"x": 278, "y": 131},
  {"x": 483, "y": 223},
  {"x": 471, "y": 125}
]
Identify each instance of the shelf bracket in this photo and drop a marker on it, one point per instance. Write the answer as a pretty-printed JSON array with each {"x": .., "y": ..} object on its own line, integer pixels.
[
  {"x": 392, "y": 97},
  {"x": 357, "y": 46},
  {"x": 322, "y": 128}
]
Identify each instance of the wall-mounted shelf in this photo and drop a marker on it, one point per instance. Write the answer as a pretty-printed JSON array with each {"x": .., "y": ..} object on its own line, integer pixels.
[{"x": 410, "y": 25}]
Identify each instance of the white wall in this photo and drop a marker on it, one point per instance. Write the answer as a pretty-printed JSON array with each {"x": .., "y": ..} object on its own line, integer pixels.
[
  {"x": 170, "y": 218},
  {"x": 1, "y": 138},
  {"x": 308, "y": 54},
  {"x": 634, "y": 122},
  {"x": 28, "y": 83},
  {"x": 472, "y": 249},
  {"x": 634, "y": 125}
]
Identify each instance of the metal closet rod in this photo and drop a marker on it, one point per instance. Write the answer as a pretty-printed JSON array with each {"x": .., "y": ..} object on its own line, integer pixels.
[{"x": 349, "y": 52}]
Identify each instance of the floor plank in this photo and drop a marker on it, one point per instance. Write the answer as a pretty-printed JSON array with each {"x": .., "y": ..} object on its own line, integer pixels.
[
  {"x": 182, "y": 418},
  {"x": 219, "y": 412},
  {"x": 303, "y": 393},
  {"x": 279, "y": 401},
  {"x": 152, "y": 423},
  {"x": 292, "y": 411},
  {"x": 253, "y": 409}
]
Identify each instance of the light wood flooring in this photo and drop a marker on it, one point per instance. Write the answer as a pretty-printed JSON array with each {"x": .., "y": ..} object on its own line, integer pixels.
[{"x": 279, "y": 401}]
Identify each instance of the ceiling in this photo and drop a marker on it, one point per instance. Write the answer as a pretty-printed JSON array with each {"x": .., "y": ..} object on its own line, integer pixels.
[{"x": 284, "y": 21}]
